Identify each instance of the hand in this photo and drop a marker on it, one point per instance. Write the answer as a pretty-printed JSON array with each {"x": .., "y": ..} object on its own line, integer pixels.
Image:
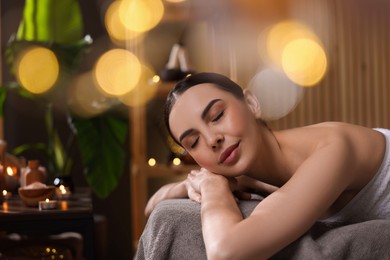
[
  {"x": 175, "y": 190},
  {"x": 196, "y": 179}
]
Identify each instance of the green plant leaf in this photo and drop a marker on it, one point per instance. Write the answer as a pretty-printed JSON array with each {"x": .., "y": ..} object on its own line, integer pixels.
[
  {"x": 51, "y": 20},
  {"x": 31, "y": 147},
  {"x": 103, "y": 152},
  {"x": 3, "y": 96}
]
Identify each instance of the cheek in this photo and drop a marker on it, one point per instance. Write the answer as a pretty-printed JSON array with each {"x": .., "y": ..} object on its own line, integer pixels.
[
  {"x": 238, "y": 124},
  {"x": 204, "y": 159}
]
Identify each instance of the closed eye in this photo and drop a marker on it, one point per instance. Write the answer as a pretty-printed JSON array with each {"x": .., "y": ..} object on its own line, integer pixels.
[
  {"x": 193, "y": 145},
  {"x": 218, "y": 117}
]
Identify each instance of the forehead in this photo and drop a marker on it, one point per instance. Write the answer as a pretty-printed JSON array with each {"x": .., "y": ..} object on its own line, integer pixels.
[
  {"x": 189, "y": 106},
  {"x": 198, "y": 95}
]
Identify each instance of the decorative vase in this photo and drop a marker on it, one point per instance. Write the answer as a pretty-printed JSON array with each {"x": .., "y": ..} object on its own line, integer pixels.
[{"x": 34, "y": 173}]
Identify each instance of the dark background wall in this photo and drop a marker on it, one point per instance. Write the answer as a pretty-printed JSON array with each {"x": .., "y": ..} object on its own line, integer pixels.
[{"x": 23, "y": 123}]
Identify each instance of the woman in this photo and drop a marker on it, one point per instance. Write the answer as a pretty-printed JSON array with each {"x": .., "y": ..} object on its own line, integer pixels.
[{"x": 319, "y": 172}]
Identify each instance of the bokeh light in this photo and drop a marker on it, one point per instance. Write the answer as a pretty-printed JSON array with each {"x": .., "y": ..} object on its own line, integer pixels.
[
  {"x": 84, "y": 97},
  {"x": 37, "y": 69},
  {"x": 175, "y": 1},
  {"x": 145, "y": 90},
  {"x": 140, "y": 16},
  {"x": 176, "y": 161},
  {"x": 294, "y": 48},
  {"x": 276, "y": 93},
  {"x": 117, "y": 72},
  {"x": 281, "y": 34},
  {"x": 304, "y": 62},
  {"x": 152, "y": 162},
  {"x": 115, "y": 28}
]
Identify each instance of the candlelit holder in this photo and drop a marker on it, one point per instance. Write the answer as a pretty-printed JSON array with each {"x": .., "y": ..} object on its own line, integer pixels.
[
  {"x": 47, "y": 204},
  {"x": 6, "y": 195},
  {"x": 63, "y": 192}
]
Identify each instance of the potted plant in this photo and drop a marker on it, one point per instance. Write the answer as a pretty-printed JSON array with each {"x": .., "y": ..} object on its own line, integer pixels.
[{"x": 57, "y": 26}]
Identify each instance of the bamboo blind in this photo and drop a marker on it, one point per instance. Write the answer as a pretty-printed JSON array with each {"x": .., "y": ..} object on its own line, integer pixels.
[{"x": 355, "y": 89}]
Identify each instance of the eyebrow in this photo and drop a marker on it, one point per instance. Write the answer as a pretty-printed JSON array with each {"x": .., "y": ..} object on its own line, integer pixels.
[{"x": 204, "y": 113}]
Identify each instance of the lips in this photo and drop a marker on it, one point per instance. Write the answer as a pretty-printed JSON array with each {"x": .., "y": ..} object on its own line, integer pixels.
[{"x": 228, "y": 153}]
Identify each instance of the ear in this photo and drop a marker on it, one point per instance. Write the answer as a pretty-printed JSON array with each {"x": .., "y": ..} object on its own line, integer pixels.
[{"x": 252, "y": 102}]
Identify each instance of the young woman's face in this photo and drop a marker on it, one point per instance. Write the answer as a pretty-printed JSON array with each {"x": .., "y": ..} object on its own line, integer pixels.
[{"x": 218, "y": 130}]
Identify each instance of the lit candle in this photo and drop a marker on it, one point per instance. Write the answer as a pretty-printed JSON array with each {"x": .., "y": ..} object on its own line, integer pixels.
[
  {"x": 6, "y": 194},
  {"x": 63, "y": 192},
  {"x": 12, "y": 179},
  {"x": 47, "y": 204}
]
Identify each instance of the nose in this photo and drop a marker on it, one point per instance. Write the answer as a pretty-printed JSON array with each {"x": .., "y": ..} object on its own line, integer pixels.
[{"x": 215, "y": 141}]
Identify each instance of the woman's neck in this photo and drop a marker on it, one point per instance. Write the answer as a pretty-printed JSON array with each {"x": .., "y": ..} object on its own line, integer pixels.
[{"x": 270, "y": 166}]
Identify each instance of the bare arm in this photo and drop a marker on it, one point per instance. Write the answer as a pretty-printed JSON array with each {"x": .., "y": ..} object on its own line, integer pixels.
[
  {"x": 169, "y": 191},
  {"x": 280, "y": 218},
  {"x": 183, "y": 189}
]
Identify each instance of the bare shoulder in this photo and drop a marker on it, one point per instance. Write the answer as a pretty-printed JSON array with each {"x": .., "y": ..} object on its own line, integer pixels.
[
  {"x": 360, "y": 148},
  {"x": 364, "y": 142},
  {"x": 328, "y": 132}
]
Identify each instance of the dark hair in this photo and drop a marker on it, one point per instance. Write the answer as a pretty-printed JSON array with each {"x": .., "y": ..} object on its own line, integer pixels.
[{"x": 220, "y": 81}]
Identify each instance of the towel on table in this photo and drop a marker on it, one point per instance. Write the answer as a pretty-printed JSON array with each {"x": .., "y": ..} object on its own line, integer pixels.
[{"x": 173, "y": 231}]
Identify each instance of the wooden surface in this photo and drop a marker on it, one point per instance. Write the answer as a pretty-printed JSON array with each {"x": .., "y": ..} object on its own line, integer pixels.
[{"x": 71, "y": 215}]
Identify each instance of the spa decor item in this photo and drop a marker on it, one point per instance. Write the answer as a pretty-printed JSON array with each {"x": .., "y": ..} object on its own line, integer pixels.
[
  {"x": 34, "y": 173},
  {"x": 32, "y": 194}
]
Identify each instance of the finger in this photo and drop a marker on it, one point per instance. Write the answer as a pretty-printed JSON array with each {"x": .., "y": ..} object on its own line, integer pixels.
[
  {"x": 194, "y": 171},
  {"x": 193, "y": 195}
]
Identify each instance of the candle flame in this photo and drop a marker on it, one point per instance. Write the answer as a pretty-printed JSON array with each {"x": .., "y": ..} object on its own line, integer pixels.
[
  {"x": 5, "y": 192},
  {"x": 10, "y": 172},
  {"x": 62, "y": 189},
  {"x": 47, "y": 200}
]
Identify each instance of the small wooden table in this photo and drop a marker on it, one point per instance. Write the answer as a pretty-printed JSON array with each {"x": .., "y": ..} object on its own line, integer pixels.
[{"x": 71, "y": 215}]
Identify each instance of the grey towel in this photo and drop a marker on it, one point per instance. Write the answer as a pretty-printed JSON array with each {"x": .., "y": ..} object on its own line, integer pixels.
[{"x": 173, "y": 231}]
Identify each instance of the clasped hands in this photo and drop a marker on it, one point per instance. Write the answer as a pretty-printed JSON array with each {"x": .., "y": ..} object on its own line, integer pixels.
[
  {"x": 191, "y": 187},
  {"x": 197, "y": 179}
]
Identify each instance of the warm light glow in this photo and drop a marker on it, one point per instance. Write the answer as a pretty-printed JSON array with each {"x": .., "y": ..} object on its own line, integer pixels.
[
  {"x": 115, "y": 28},
  {"x": 5, "y": 193},
  {"x": 276, "y": 93},
  {"x": 10, "y": 172},
  {"x": 152, "y": 162},
  {"x": 47, "y": 249},
  {"x": 140, "y": 16},
  {"x": 156, "y": 79},
  {"x": 64, "y": 205},
  {"x": 304, "y": 62},
  {"x": 176, "y": 161},
  {"x": 47, "y": 200},
  {"x": 145, "y": 90},
  {"x": 37, "y": 69},
  {"x": 62, "y": 189},
  {"x": 85, "y": 98},
  {"x": 281, "y": 34},
  {"x": 175, "y": 1},
  {"x": 117, "y": 72},
  {"x": 5, "y": 206}
]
